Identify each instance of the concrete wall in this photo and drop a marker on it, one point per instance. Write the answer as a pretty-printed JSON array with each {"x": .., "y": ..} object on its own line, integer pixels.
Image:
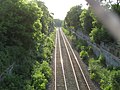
[{"x": 111, "y": 60}]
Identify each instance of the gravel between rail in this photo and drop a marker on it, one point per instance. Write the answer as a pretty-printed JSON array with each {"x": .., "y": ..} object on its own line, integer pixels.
[{"x": 68, "y": 70}]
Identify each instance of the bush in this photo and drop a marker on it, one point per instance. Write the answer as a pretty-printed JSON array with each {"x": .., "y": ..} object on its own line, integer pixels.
[
  {"x": 107, "y": 79},
  {"x": 102, "y": 60},
  {"x": 12, "y": 82},
  {"x": 40, "y": 75},
  {"x": 94, "y": 68},
  {"x": 84, "y": 55},
  {"x": 78, "y": 43},
  {"x": 116, "y": 80},
  {"x": 46, "y": 70},
  {"x": 25, "y": 40},
  {"x": 66, "y": 31}
]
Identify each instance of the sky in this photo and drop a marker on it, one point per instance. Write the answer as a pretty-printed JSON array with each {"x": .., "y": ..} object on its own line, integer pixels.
[{"x": 61, "y": 7}]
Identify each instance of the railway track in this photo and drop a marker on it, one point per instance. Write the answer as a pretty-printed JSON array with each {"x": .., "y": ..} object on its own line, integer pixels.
[{"x": 69, "y": 74}]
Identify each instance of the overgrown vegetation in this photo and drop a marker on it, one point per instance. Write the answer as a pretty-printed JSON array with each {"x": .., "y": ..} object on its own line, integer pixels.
[
  {"x": 58, "y": 22},
  {"x": 26, "y": 39},
  {"x": 70, "y": 35},
  {"x": 107, "y": 77},
  {"x": 72, "y": 17}
]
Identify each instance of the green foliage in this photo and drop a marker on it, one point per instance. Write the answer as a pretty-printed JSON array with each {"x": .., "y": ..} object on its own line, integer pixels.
[
  {"x": 84, "y": 55},
  {"x": 102, "y": 60},
  {"x": 116, "y": 80},
  {"x": 108, "y": 80},
  {"x": 86, "y": 21},
  {"x": 40, "y": 75},
  {"x": 17, "y": 25},
  {"x": 46, "y": 19},
  {"x": 24, "y": 40},
  {"x": 100, "y": 74},
  {"x": 99, "y": 35},
  {"x": 116, "y": 8},
  {"x": 16, "y": 29},
  {"x": 66, "y": 31},
  {"x": 78, "y": 43},
  {"x": 45, "y": 48},
  {"x": 105, "y": 82},
  {"x": 78, "y": 19},
  {"x": 105, "y": 77},
  {"x": 93, "y": 67},
  {"x": 46, "y": 70},
  {"x": 90, "y": 51},
  {"x": 12, "y": 82},
  {"x": 98, "y": 32},
  {"x": 72, "y": 17},
  {"x": 58, "y": 23},
  {"x": 93, "y": 35},
  {"x": 95, "y": 22},
  {"x": 70, "y": 35}
]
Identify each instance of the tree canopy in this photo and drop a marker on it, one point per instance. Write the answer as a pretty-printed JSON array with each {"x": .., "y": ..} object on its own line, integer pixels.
[
  {"x": 72, "y": 17},
  {"x": 86, "y": 21},
  {"x": 27, "y": 41},
  {"x": 58, "y": 23}
]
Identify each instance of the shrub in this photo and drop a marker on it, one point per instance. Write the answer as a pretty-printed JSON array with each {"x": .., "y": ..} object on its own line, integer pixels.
[
  {"x": 25, "y": 39},
  {"x": 84, "y": 55},
  {"x": 116, "y": 80},
  {"x": 94, "y": 68},
  {"x": 102, "y": 60},
  {"x": 40, "y": 75}
]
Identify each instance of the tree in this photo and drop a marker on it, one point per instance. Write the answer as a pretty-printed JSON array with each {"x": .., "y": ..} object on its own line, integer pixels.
[
  {"x": 116, "y": 8},
  {"x": 72, "y": 17},
  {"x": 99, "y": 33},
  {"x": 86, "y": 21},
  {"x": 116, "y": 80},
  {"x": 22, "y": 37},
  {"x": 46, "y": 19},
  {"x": 58, "y": 23}
]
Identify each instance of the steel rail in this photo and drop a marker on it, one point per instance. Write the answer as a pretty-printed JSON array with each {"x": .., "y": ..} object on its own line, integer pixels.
[
  {"x": 55, "y": 57},
  {"x": 76, "y": 60},
  {"x": 61, "y": 59},
  {"x": 71, "y": 62}
]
